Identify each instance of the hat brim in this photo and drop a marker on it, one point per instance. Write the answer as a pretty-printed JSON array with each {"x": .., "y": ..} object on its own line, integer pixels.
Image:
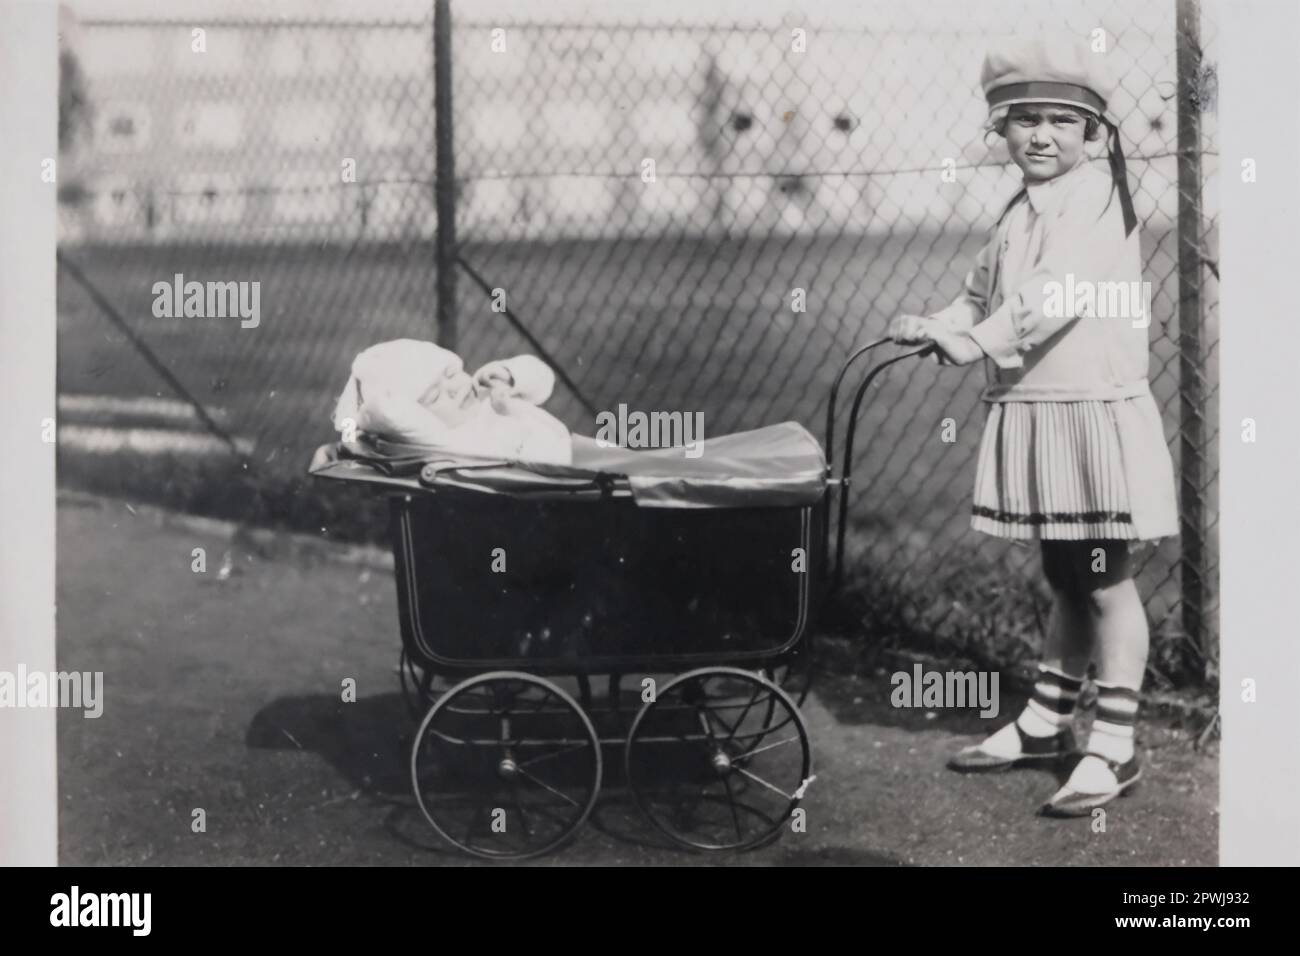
[
  {"x": 998, "y": 113},
  {"x": 1040, "y": 91},
  {"x": 1005, "y": 105}
]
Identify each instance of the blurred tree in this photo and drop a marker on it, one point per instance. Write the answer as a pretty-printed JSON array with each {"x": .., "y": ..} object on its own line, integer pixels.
[
  {"x": 74, "y": 102},
  {"x": 75, "y": 111}
]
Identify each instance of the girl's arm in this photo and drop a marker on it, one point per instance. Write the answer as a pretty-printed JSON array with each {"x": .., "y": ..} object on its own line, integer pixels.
[
  {"x": 1084, "y": 245},
  {"x": 969, "y": 307}
]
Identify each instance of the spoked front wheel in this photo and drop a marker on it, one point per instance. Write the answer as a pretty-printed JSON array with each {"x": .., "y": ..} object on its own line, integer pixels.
[
  {"x": 719, "y": 760},
  {"x": 506, "y": 766}
]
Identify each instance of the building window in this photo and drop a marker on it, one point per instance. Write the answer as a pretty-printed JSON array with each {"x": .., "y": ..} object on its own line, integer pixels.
[
  {"x": 304, "y": 125},
  {"x": 118, "y": 202},
  {"x": 222, "y": 52},
  {"x": 117, "y": 51},
  {"x": 664, "y": 126},
  {"x": 209, "y": 125},
  {"x": 298, "y": 52},
  {"x": 387, "y": 125},
  {"x": 576, "y": 124},
  {"x": 207, "y": 198},
  {"x": 498, "y": 126},
  {"x": 122, "y": 127},
  {"x": 307, "y": 198},
  {"x": 396, "y": 52}
]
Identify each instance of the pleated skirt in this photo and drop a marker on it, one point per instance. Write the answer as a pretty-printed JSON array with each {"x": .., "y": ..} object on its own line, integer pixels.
[{"x": 1075, "y": 471}]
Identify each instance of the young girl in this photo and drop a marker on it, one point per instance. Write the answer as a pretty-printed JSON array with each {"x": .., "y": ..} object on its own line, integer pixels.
[{"x": 1073, "y": 453}]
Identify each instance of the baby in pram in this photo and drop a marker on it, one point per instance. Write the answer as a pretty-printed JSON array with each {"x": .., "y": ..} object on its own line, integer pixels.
[{"x": 417, "y": 393}]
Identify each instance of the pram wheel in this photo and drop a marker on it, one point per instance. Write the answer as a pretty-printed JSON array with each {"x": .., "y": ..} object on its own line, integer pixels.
[
  {"x": 506, "y": 766},
  {"x": 719, "y": 759}
]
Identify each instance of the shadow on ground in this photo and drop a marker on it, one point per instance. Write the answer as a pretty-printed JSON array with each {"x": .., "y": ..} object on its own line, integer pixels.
[{"x": 367, "y": 743}]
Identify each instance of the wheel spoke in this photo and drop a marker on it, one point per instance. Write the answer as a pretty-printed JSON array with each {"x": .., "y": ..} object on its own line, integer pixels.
[
  {"x": 474, "y": 733},
  {"x": 708, "y": 727},
  {"x": 701, "y": 741},
  {"x": 541, "y": 702},
  {"x": 755, "y": 777},
  {"x": 743, "y": 714},
  {"x": 523, "y": 717},
  {"x": 503, "y": 699},
  {"x": 732, "y": 728},
  {"x": 759, "y": 750},
  {"x": 735, "y": 817},
  {"x": 555, "y": 753},
  {"x": 473, "y": 819},
  {"x": 523, "y": 817},
  {"x": 546, "y": 786}
]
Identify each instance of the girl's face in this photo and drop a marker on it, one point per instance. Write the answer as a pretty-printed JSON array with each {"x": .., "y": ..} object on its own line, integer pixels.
[{"x": 1045, "y": 139}]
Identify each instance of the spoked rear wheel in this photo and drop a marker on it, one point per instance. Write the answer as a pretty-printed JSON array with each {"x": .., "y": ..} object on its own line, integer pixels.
[
  {"x": 506, "y": 766},
  {"x": 719, "y": 760}
]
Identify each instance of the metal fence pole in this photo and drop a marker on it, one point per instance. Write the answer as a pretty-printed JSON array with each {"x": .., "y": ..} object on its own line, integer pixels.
[
  {"x": 444, "y": 176},
  {"x": 1191, "y": 360}
]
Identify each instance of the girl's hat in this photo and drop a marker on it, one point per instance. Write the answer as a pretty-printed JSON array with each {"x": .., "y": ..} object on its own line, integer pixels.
[
  {"x": 1056, "y": 69},
  {"x": 1046, "y": 69}
]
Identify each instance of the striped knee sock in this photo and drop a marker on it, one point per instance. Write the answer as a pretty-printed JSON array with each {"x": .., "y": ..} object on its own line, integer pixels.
[
  {"x": 1113, "y": 729},
  {"x": 1051, "y": 706}
]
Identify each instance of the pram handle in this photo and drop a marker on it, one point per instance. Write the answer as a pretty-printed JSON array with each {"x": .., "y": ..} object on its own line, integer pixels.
[
  {"x": 846, "y": 468},
  {"x": 829, "y": 444}
]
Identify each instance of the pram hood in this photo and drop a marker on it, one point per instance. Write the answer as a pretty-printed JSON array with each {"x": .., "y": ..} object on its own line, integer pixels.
[{"x": 778, "y": 465}]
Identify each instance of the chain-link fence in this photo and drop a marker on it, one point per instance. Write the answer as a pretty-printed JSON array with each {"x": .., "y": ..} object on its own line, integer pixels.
[{"x": 681, "y": 215}]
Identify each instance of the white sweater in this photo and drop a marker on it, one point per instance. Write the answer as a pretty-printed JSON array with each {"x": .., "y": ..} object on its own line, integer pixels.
[{"x": 1066, "y": 237}]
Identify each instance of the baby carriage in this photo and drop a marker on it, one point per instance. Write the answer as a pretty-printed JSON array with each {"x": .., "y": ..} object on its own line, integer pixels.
[{"x": 690, "y": 585}]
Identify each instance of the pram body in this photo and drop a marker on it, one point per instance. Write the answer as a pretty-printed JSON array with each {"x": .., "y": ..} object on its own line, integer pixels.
[{"x": 513, "y": 578}]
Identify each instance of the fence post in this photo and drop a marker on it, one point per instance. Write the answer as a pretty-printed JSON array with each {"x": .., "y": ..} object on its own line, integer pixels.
[
  {"x": 445, "y": 176},
  {"x": 1191, "y": 360}
]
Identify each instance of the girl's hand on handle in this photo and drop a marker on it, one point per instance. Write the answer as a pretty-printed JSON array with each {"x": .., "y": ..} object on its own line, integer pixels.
[
  {"x": 908, "y": 330},
  {"x": 956, "y": 348}
]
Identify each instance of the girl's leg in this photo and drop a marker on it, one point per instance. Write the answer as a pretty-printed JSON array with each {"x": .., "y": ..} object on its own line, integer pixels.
[
  {"x": 1069, "y": 645},
  {"x": 1070, "y": 638},
  {"x": 1118, "y": 621},
  {"x": 1066, "y": 652},
  {"x": 1050, "y": 708}
]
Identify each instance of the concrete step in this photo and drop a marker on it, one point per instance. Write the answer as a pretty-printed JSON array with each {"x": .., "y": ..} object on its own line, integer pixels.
[{"x": 105, "y": 424}]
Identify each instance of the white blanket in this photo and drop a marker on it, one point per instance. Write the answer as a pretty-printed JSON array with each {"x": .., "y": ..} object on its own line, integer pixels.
[{"x": 388, "y": 396}]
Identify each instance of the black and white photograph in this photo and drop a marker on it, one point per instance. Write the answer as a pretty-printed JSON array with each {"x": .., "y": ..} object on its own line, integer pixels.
[{"x": 615, "y": 434}]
